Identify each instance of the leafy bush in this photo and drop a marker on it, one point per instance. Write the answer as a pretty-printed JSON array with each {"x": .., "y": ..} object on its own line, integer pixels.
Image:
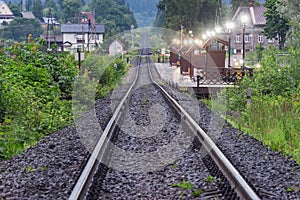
[
  {"x": 33, "y": 86},
  {"x": 36, "y": 89},
  {"x": 273, "y": 116}
]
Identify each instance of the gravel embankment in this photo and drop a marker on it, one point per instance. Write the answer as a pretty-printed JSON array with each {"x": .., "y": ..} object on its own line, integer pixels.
[
  {"x": 271, "y": 174},
  {"x": 49, "y": 169}
]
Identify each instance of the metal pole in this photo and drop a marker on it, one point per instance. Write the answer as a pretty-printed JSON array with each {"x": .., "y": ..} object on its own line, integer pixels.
[
  {"x": 244, "y": 46},
  {"x": 79, "y": 59},
  {"x": 229, "y": 40},
  {"x": 181, "y": 31}
]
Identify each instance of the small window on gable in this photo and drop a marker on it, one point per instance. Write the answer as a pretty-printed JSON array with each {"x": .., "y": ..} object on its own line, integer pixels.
[
  {"x": 238, "y": 38},
  {"x": 260, "y": 38}
]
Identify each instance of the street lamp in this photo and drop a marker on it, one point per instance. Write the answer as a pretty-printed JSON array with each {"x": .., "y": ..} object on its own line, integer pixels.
[
  {"x": 229, "y": 27},
  {"x": 244, "y": 21}
]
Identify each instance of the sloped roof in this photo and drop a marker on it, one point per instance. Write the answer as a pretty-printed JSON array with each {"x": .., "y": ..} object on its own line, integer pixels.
[
  {"x": 210, "y": 41},
  {"x": 79, "y": 28},
  {"x": 256, "y": 14},
  {"x": 89, "y": 17},
  {"x": 7, "y": 11},
  {"x": 27, "y": 15},
  {"x": 119, "y": 41},
  {"x": 193, "y": 47}
]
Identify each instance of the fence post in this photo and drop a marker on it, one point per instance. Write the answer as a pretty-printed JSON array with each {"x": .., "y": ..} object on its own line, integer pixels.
[{"x": 249, "y": 93}]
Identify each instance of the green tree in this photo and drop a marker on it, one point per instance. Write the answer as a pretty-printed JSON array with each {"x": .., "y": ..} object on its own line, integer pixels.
[
  {"x": 116, "y": 17},
  {"x": 289, "y": 9},
  {"x": 276, "y": 26},
  {"x": 71, "y": 10},
  {"x": 144, "y": 11},
  {"x": 194, "y": 15},
  {"x": 29, "y": 5},
  {"x": 237, "y": 3},
  {"x": 50, "y": 4},
  {"x": 15, "y": 9},
  {"x": 37, "y": 9},
  {"x": 20, "y": 28}
]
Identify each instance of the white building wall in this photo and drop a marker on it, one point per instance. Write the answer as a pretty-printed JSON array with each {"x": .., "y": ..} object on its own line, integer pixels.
[
  {"x": 115, "y": 48},
  {"x": 5, "y": 10},
  {"x": 76, "y": 42}
]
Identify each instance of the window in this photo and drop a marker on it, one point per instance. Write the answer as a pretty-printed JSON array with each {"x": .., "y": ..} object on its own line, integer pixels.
[
  {"x": 260, "y": 38},
  {"x": 247, "y": 38},
  {"x": 238, "y": 38},
  {"x": 79, "y": 37},
  {"x": 271, "y": 40},
  {"x": 94, "y": 37}
]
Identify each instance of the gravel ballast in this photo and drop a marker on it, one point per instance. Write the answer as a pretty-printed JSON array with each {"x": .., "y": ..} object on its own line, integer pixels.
[{"x": 49, "y": 169}]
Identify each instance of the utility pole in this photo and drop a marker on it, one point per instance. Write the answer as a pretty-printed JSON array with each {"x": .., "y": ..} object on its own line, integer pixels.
[
  {"x": 132, "y": 32},
  {"x": 48, "y": 29},
  {"x": 89, "y": 26},
  {"x": 181, "y": 34}
]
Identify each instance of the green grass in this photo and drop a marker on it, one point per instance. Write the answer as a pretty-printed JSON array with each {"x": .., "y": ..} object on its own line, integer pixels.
[
  {"x": 187, "y": 186},
  {"x": 274, "y": 121},
  {"x": 183, "y": 185}
]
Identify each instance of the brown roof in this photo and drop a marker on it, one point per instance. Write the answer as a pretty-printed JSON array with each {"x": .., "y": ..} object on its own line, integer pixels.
[
  {"x": 210, "y": 41},
  {"x": 89, "y": 17},
  {"x": 256, "y": 14},
  {"x": 27, "y": 15}
]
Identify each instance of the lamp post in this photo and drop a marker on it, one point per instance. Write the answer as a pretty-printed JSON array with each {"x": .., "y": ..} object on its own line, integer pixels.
[
  {"x": 244, "y": 21},
  {"x": 229, "y": 27}
]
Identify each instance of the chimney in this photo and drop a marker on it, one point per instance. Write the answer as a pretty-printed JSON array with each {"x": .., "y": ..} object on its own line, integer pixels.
[{"x": 251, "y": 3}]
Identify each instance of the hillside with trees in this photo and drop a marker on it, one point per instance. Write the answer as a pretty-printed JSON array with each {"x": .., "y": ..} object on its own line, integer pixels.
[
  {"x": 114, "y": 14},
  {"x": 184, "y": 12},
  {"x": 144, "y": 11},
  {"x": 195, "y": 15}
]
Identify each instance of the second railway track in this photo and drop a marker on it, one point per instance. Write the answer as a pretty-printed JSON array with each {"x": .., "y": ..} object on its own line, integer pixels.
[{"x": 150, "y": 150}]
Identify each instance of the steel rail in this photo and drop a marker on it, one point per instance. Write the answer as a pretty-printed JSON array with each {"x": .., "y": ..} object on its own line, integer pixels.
[
  {"x": 237, "y": 182},
  {"x": 80, "y": 189}
]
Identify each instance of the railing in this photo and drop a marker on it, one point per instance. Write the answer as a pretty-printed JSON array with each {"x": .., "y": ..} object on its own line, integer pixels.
[{"x": 214, "y": 75}]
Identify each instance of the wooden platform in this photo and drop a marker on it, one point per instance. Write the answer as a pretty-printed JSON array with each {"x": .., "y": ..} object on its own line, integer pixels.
[{"x": 172, "y": 75}]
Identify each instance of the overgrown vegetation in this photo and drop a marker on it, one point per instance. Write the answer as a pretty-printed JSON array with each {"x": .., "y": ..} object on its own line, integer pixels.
[
  {"x": 273, "y": 116},
  {"x": 36, "y": 89}
]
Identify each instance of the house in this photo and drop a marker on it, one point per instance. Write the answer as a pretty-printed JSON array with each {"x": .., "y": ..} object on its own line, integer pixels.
[
  {"x": 116, "y": 47},
  {"x": 215, "y": 53},
  {"x": 53, "y": 40},
  {"x": 82, "y": 36},
  {"x": 86, "y": 18},
  {"x": 50, "y": 21},
  {"x": 255, "y": 23},
  {"x": 6, "y": 14},
  {"x": 27, "y": 15}
]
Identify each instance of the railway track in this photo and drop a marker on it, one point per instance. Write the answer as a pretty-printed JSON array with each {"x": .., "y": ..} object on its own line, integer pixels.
[{"x": 107, "y": 159}]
